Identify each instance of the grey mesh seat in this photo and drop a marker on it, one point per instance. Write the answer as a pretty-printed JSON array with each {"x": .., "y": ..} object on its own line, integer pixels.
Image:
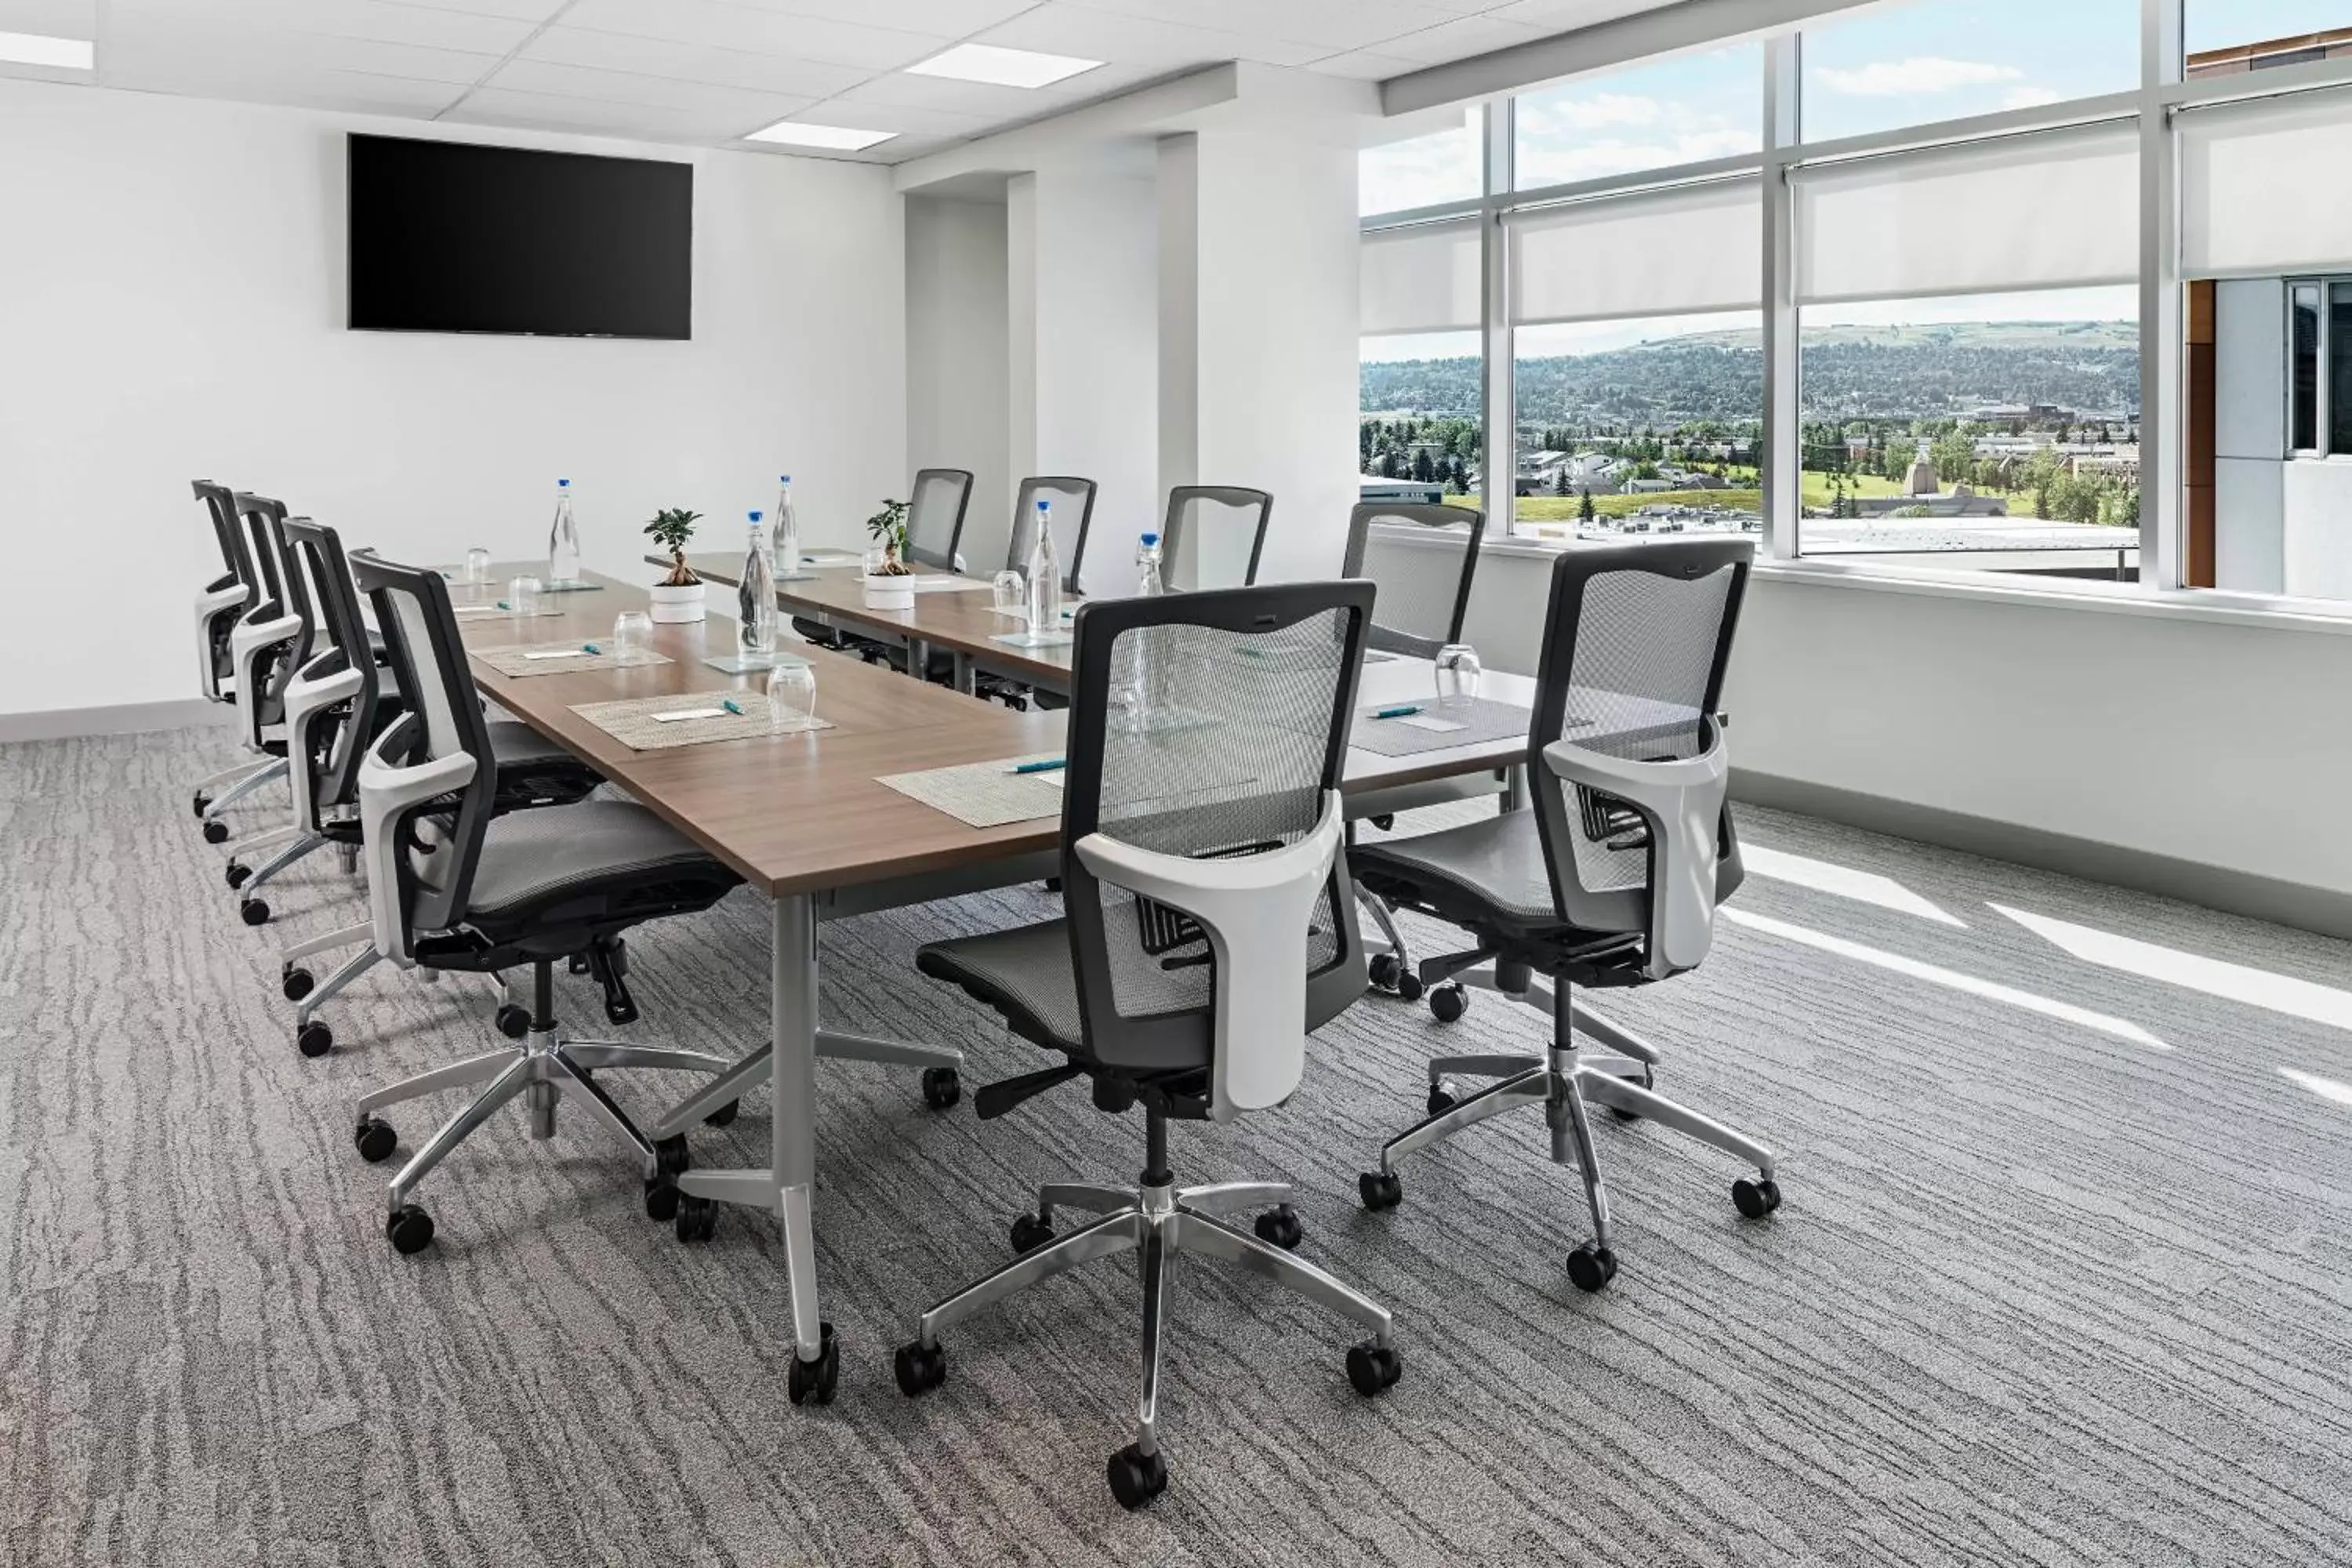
[
  {"x": 935, "y": 514},
  {"x": 1609, "y": 876},
  {"x": 454, "y": 886},
  {"x": 1208, "y": 928},
  {"x": 1214, "y": 536}
]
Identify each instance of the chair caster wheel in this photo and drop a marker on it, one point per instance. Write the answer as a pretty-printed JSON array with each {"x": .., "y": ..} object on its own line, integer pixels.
[
  {"x": 409, "y": 1228},
  {"x": 1441, "y": 1099},
  {"x": 1449, "y": 1001},
  {"x": 199, "y": 801},
  {"x": 1408, "y": 986},
  {"x": 1280, "y": 1228},
  {"x": 1379, "y": 1189},
  {"x": 1384, "y": 971},
  {"x": 697, "y": 1217},
  {"x": 921, "y": 1368},
  {"x": 1592, "y": 1266},
  {"x": 1136, "y": 1476},
  {"x": 1755, "y": 1199},
  {"x": 1373, "y": 1366},
  {"x": 314, "y": 1039},
  {"x": 375, "y": 1140},
  {"x": 725, "y": 1115},
  {"x": 514, "y": 1020},
  {"x": 942, "y": 1088},
  {"x": 1648, "y": 1081},
  {"x": 578, "y": 963},
  {"x": 661, "y": 1199},
  {"x": 216, "y": 832},
  {"x": 253, "y": 911},
  {"x": 815, "y": 1379},
  {"x": 296, "y": 983},
  {"x": 235, "y": 874},
  {"x": 1030, "y": 1233}
]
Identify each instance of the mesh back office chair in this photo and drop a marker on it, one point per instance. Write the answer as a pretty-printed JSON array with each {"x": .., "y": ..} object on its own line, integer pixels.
[
  {"x": 1208, "y": 928},
  {"x": 451, "y": 889},
  {"x": 935, "y": 513},
  {"x": 337, "y": 705},
  {"x": 257, "y": 644},
  {"x": 218, "y": 608},
  {"x": 1070, "y": 497},
  {"x": 1222, "y": 512},
  {"x": 1611, "y": 877}
]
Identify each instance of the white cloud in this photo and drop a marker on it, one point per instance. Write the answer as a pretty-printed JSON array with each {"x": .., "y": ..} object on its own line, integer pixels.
[
  {"x": 1919, "y": 73},
  {"x": 1543, "y": 117},
  {"x": 2027, "y": 97},
  {"x": 1557, "y": 166}
]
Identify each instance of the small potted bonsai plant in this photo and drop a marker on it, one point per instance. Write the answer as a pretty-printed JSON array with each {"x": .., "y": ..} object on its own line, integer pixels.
[
  {"x": 678, "y": 597},
  {"x": 890, "y": 585}
]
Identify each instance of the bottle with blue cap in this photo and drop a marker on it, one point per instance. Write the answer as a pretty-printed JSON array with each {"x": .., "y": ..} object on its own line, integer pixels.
[
  {"x": 563, "y": 542},
  {"x": 784, "y": 528},
  {"x": 756, "y": 631},
  {"x": 1045, "y": 577},
  {"x": 1141, "y": 691},
  {"x": 1148, "y": 584}
]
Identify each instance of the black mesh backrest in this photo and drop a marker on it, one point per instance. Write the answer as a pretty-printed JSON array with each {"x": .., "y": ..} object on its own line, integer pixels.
[
  {"x": 340, "y": 642},
  {"x": 1074, "y": 510},
  {"x": 220, "y": 506},
  {"x": 435, "y": 684},
  {"x": 1634, "y": 647},
  {"x": 1223, "y": 513},
  {"x": 935, "y": 510},
  {"x": 1245, "y": 728},
  {"x": 1423, "y": 563},
  {"x": 255, "y": 513}
]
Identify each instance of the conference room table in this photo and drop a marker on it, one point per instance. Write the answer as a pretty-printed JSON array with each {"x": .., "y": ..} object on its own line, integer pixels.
[{"x": 803, "y": 817}]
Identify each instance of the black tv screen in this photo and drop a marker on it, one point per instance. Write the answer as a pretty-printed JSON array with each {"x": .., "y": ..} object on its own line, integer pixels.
[{"x": 447, "y": 237}]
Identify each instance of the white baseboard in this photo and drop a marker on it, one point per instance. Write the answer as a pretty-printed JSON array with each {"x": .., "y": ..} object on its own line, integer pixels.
[{"x": 125, "y": 719}]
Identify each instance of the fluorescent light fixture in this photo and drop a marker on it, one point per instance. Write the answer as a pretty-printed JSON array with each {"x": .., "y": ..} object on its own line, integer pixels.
[
  {"x": 39, "y": 49},
  {"x": 1003, "y": 68},
  {"x": 837, "y": 138}
]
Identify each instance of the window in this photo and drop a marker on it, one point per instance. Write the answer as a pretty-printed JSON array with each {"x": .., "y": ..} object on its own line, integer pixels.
[
  {"x": 1421, "y": 431},
  {"x": 2304, "y": 348},
  {"x": 2227, "y": 36},
  {"x": 1425, "y": 171},
  {"x": 1894, "y": 66},
  {"x": 1688, "y": 109}
]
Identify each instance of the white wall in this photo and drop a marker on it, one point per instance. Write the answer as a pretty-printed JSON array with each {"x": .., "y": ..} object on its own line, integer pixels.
[
  {"x": 173, "y": 274},
  {"x": 2249, "y": 434},
  {"x": 957, "y": 335}
]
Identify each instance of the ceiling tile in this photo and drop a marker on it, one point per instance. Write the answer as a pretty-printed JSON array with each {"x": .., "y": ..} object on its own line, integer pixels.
[
  {"x": 549, "y": 112},
  {"x": 692, "y": 62},
  {"x": 754, "y": 109},
  {"x": 950, "y": 18},
  {"x": 1459, "y": 39},
  {"x": 762, "y": 32},
  {"x": 1364, "y": 65},
  {"x": 1567, "y": 15},
  {"x": 1332, "y": 23},
  {"x": 153, "y": 45},
  {"x": 980, "y": 99},
  {"x": 1066, "y": 28},
  {"x": 521, "y": 10},
  {"x": 352, "y": 93},
  {"x": 378, "y": 20},
  {"x": 859, "y": 113}
]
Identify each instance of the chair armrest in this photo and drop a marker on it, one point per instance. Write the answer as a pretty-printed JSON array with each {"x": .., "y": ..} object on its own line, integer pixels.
[
  {"x": 1682, "y": 801},
  {"x": 1255, "y": 909},
  {"x": 217, "y": 601},
  {"x": 389, "y": 793},
  {"x": 317, "y": 688}
]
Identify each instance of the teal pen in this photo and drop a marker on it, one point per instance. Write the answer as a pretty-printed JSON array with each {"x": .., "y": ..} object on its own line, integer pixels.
[
  {"x": 504, "y": 606},
  {"x": 1044, "y": 767},
  {"x": 590, "y": 648},
  {"x": 1405, "y": 712},
  {"x": 728, "y": 703}
]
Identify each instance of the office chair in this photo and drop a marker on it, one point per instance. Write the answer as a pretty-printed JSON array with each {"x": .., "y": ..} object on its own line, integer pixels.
[
  {"x": 935, "y": 512},
  {"x": 1609, "y": 877},
  {"x": 1208, "y": 928},
  {"x": 1068, "y": 496},
  {"x": 451, "y": 889},
  {"x": 337, "y": 706},
  {"x": 1219, "y": 508},
  {"x": 1424, "y": 597},
  {"x": 257, "y": 642},
  {"x": 218, "y": 608}
]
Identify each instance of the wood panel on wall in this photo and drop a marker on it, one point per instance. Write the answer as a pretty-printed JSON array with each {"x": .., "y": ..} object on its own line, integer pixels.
[{"x": 2198, "y": 439}]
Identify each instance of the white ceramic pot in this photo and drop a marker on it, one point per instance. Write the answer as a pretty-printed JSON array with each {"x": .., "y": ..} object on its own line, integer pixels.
[
  {"x": 890, "y": 592},
  {"x": 673, "y": 604}
]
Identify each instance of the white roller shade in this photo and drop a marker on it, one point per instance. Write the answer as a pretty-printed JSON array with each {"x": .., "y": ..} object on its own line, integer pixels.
[
  {"x": 2259, "y": 184},
  {"x": 1420, "y": 280},
  {"x": 2050, "y": 211},
  {"x": 1661, "y": 253}
]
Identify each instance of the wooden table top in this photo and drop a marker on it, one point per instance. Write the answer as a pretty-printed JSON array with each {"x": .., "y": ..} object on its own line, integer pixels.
[{"x": 803, "y": 813}]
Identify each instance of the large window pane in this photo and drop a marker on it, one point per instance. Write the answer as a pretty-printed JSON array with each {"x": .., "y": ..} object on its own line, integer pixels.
[
  {"x": 1686, "y": 110},
  {"x": 2227, "y": 35},
  {"x": 1992, "y": 432},
  {"x": 1446, "y": 166},
  {"x": 2304, "y": 349},
  {"x": 1421, "y": 434},
  {"x": 1911, "y": 64},
  {"x": 1641, "y": 426}
]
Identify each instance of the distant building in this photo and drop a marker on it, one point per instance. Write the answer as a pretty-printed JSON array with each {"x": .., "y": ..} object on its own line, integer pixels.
[
  {"x": 1372, "y": 487},
  {"x": 2299, "y": 48}
]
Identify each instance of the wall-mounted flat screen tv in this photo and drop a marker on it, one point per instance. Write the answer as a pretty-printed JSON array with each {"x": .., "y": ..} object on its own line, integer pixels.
[{"x": 447, "y": 237}]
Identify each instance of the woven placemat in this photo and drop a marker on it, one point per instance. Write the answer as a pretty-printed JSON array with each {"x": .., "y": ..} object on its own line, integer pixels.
[
  {"x": 526, "y": 659},
  {"x": 631, "y": 720},
  {"x": 1436, "y": 729},
  {"x": 985, "y": 795}
]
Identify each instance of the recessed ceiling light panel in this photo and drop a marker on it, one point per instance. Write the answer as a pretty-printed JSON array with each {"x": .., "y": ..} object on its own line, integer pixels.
[
  {"x": 833, "y": 138},
  {"x": 39, "y": 49},
  {"x": 1003, "y": 68}
]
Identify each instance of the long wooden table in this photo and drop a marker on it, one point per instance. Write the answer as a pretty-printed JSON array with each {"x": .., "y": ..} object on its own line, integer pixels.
[{"x": 801, "y": 817}]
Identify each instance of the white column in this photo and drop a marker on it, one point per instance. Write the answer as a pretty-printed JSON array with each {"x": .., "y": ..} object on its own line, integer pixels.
[
  {"x": 1782, "y": 458},
  {"x": 2163, "y": 326}
]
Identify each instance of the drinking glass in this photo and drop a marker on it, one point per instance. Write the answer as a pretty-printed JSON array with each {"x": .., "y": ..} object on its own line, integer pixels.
[
  {"x": 1457, "y": 675},
  {"x": 875, "y": 556},
  {"x": 522, "y": 595},
  {"x": 792, "y": 696},
  {"x": 632, "y": 629},
  {"x": 477, "y": 566},
  {"x": 1012, "y": 594}
]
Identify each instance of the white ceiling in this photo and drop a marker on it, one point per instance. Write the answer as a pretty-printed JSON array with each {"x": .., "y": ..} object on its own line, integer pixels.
[{"x": 706, "y": 71}]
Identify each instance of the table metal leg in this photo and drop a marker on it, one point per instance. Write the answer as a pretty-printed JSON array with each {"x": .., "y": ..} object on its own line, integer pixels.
[
  {"x": 966, "y": 675},
  {"x": 793, "y": 1150}
]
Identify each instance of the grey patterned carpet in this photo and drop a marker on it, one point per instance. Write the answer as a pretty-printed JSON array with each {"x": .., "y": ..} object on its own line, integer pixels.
[{"x": 2049, "y": 1287}]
